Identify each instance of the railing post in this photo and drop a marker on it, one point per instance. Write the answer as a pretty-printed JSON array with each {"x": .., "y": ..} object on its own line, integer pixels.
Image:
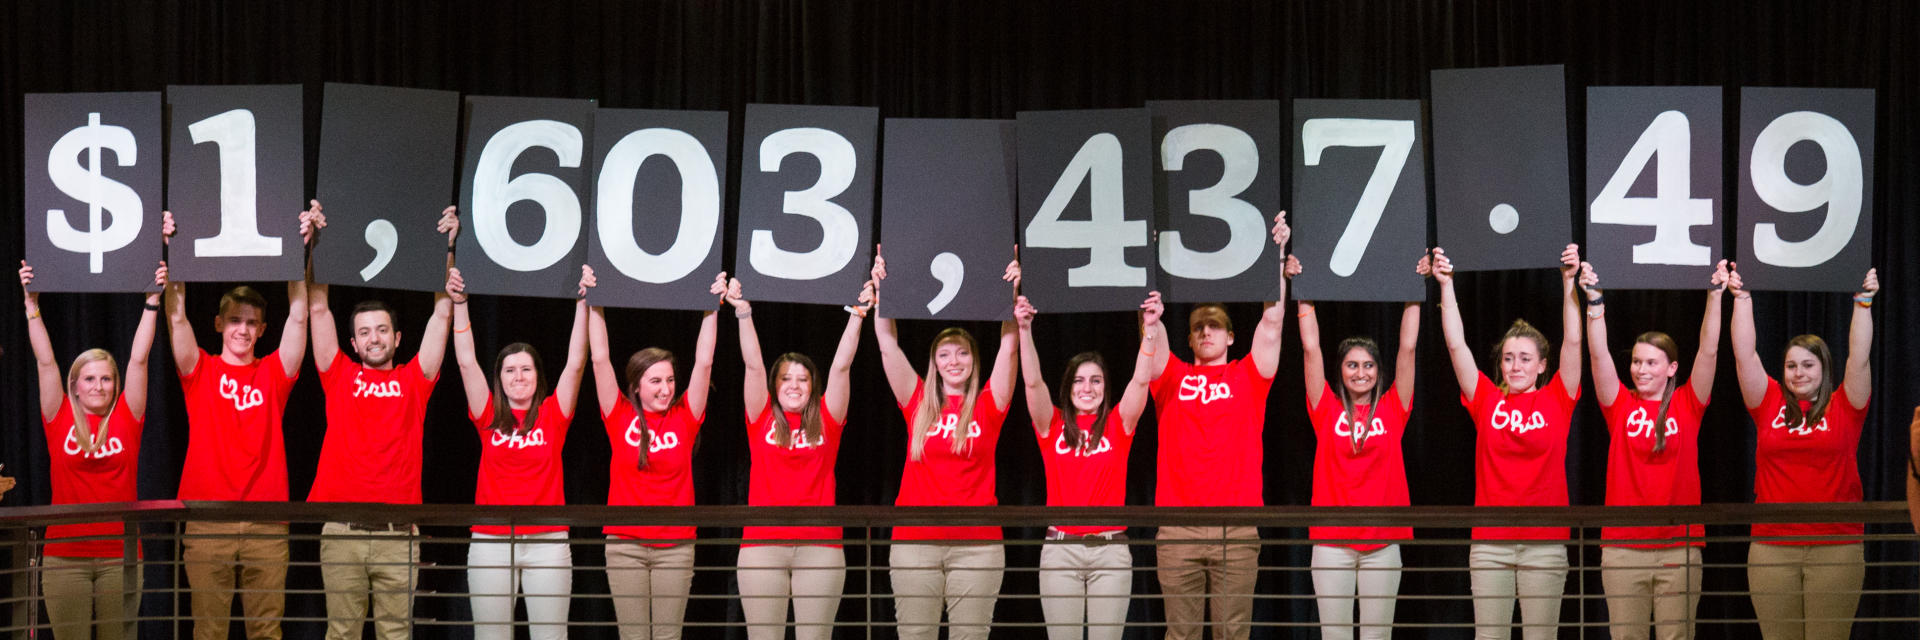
[{"x": 18, "y": 555}]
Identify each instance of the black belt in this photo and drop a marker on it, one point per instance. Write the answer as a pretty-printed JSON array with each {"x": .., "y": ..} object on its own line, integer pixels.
[
  {"x": 380, "y": 527},
  {"x": 1054, "y": 533}
]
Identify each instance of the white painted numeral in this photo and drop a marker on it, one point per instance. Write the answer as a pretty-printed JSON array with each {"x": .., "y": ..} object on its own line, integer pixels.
[
  {"x": 1395, "y": 139},
  {"x": 1841, "y": 190},
  {"x": 1672, "y": 211},
  {"x": 839, "y": 232},
  {"x": 234, "y": 133},
  {"x": 1246, "y": 227},
  {"x": 699, "y": 205},
  {"x": 495, "y": 189},
  {"x": 1107, "y": 233}
]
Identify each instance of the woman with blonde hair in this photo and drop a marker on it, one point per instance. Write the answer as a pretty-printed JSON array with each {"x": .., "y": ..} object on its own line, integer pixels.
[
  {"x": 952, "y": 430},
  {"x": 93, "y": 425},
  {"x": 794, "y": 422},
  {"x": 1807, "y": 450},
  {"x": 1520, "y": 455}
]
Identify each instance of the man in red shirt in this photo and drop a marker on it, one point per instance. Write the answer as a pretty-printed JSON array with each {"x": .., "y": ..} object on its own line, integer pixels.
[
  {"x": 235, "y": 402},
  {"x": 376, "y": 415},
  {"x": 1211, "y": 414}
]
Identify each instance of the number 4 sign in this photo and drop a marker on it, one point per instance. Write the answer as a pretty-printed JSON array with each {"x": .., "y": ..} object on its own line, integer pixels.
[{"x": 1653, "y": 185}]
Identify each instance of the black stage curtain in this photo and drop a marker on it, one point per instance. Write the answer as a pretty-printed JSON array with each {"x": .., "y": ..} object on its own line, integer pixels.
[{"x": 989, "y": 59}]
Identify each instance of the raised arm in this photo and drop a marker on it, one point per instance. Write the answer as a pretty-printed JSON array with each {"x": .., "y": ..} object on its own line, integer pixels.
[
  {"x": 1859, "y": 380},
  {"x": 1313, "y": 364},
  {"x": 1570, "y": 334},
  {"x": 186, "y": 349},
  {"x": 1465, "y": 370},
  {"x": 1000, "y": 383},
  {"x": 566, "y": 389},
  {"x": 1746, "y": 359},
  {"x": 473, "y": 378},
  {"x": 135, "y": 391},
  {"x": 893, "y": 361},
  {"x": 1407, "y": 359},
  {"x": 1606, "y": 375},
  {"x": 52, "y": 390},
  {"x": 753, "y": 386},
  {"x": 1133, "y": 400},
  {"x": 293, "y": 339},
  {"x": 433, "y": 339},
  {"x": 326, "y": 333},
  {"x": 1039, "y": 399},
  {"x": 1153, "y": 328},
  {"x": 1706, "y": 362},
  {"x": 700, "y": 379},
  {"x": 839, "y": 374},
  {"x": 1266, "y": 336}
]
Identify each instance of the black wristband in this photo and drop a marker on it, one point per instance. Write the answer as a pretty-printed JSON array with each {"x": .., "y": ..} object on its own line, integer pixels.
[{"x": 151, "y": 306}]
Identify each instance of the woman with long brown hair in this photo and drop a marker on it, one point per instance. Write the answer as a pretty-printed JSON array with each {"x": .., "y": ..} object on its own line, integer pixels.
[
  {"x": 1653, "y": 459},
  {"x": 794, "y": 425},
  {"x": 652, "y": 428},
  {"x": 522, "y": 428},
  {"x": 953, "y": 426},
  {"x": 95, "y": 459},
  {"x": 1807, "y": 450}
]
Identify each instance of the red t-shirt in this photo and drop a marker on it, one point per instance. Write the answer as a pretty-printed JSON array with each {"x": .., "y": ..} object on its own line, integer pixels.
[
  {"x": 235, "y": 450},
  {"x": 1376, "y": 476},
  {"x": 522, "y": 468},
  {"x": 947, "y": 479},
  {"x": 374, "y": 424},
  {"x": 1086, "y": 476},
  {"x": 668, "y": 479},
  {"x": 800, "y": 476},
  {"x": 1210, "y": 434},
  {"x": 1638, "y": 477},
  {"x": 109, "y": 474},
  {"x": 1520, "y": 456},
  {"x": 1798, "y": 463}
]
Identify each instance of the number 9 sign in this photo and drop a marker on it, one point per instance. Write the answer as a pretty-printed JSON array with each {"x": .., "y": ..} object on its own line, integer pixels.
[{"x": 1805, "y": 187}]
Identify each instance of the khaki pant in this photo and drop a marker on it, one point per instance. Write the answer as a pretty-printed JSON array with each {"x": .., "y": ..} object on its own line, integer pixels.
[
  {"x": 811, "y": 575},
  {"x": 1661, "y": 584},
  {"x": 649, "y": 587},
  {"x": 1536, "y": 572},
  {"x": 88, "y": 597},
  {"x": 1208, "y": 569},
  {"x": 1084, "y": 589},
  {"x": 966, "y": 577},
  {"x": 354, "y": 564},
  {"x": 1340, "y": 573},
  {"x": 1805, "y": 591},
  {"x": 538, "y": 566},
  {"x": 261, "y": 561}
]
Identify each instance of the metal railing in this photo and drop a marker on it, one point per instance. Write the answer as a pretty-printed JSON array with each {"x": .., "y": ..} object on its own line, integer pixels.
[{"x": 1432, "y": 601}]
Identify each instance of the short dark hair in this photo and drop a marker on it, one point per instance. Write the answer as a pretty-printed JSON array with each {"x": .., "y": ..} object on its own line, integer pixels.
[
  {"x": 370, "y": 306},
  {"x": 243, "y": 294}
]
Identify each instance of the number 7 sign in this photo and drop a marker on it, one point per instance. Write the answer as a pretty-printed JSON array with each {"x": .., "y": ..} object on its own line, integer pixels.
[{"x": 1360, "y": 199}]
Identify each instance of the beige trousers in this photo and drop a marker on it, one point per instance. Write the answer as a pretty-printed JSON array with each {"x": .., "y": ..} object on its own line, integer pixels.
[
  {"x": 649, "y": 586},
  {"x": 1661, "y": 585},
  {"x": 261, "y": 562},
  {"x": 1084, "y": 589},
  {"x": 1805, "y": 591},
  {"x": 1534, "y": 573},
  {"x": 966, "y": 577},
  {"x": 812, "y": 576},
  {"x": 87, "y": 597},
  {"x": 1209, "y": 568},
  {"x": 358, "y": 566}
]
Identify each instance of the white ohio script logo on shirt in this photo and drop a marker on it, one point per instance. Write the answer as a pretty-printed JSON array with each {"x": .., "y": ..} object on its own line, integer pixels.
[
  {"x": 388, "y": 389},
  {"x": 1374, "y": 428},
  {"x": 945, "y": 427},
  {"x": 1639, "y": 425},
  {"x": 797, "y": 436},
  {"x": 1196, "y": 387},
  {"x": 1517, "y": 421},
  {"x": 656, "y": 441},
  {"x": 1801, "y": 429},
  {"x": 535, "y": 438},
  {"x": 107, "y": 449},
  {"x": 244, "y": 396},
  {"x": 1060, "y": 446}
]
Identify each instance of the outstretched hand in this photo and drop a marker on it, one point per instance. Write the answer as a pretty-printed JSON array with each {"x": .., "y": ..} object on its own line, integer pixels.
[
  {"x": 1281, "y": 231},
  {"x": 1013, "y": 269},
  {"x": 1721, "y": 276},
  {"x": 449, "y": 223},
  {"x": 1293, "y": 267},
  {"x": 1438, "y": 266},
  {"x": 1151, "y": 309},
  {"x": 311, "y": 222},
  {"x": 1570, "y": 262},
  {"x": 1023, "y": 312},
  {"x": 1871, "y": 285}
]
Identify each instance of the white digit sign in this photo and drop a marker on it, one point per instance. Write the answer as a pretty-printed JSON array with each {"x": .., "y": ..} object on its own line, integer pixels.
[
  {"x": 234, "y": 133},
  {"x": 1395, "y": 139},
  {"x": 1840, "y": 190},
  {"x": 1240, "y": 162},
  {"x": 1107, "y": 233},
  {"x": 1672, "y": 211},
  {"x": 495, "y": 188},
  {"x": 839, "y": 232},
  {"x": 699, "y": 205}
]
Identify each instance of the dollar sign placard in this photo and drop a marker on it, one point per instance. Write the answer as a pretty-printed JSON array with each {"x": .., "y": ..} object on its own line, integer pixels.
[{"x": 93, "y": 190}]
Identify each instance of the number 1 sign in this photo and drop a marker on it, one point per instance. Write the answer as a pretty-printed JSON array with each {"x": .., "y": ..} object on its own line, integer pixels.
[{"x": 235, "y": 177}]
